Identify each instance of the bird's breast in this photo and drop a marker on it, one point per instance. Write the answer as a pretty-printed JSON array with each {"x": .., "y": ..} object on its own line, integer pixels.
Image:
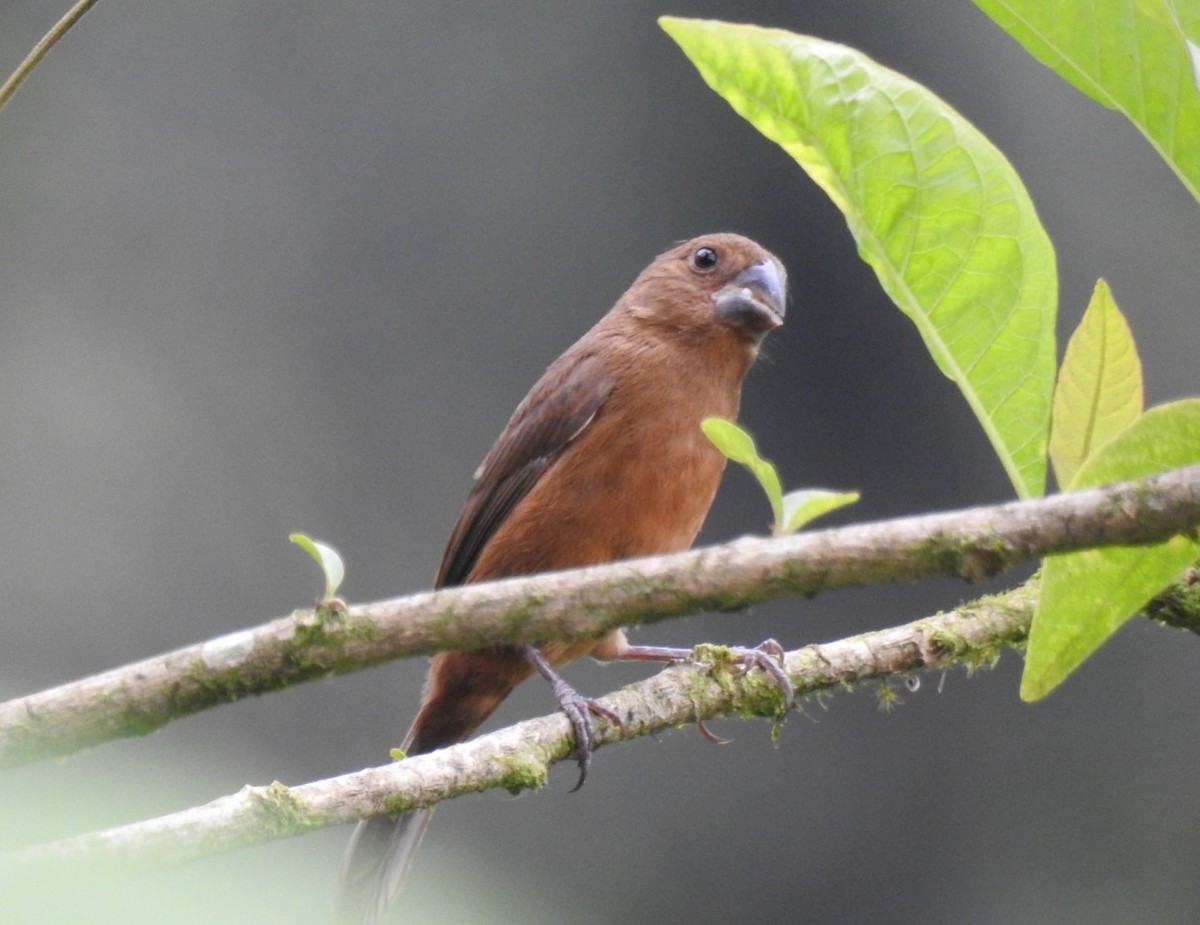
[{"x": 638, "y": 481}]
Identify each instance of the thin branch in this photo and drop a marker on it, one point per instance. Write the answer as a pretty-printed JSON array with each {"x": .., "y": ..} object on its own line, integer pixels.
[
  {"x": 41, "y": 48},
  {"x": 973, "y": 544},
  {"x": 519, "y": 757}
]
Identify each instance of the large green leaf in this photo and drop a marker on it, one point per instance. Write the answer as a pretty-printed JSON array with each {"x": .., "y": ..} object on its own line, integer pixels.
[
  {"x": 1099, "y": 389},
  {"x": 935, "y": 209},
  {"x": 1086, "y": 596},
  {"x": 1135, "y": 56}
]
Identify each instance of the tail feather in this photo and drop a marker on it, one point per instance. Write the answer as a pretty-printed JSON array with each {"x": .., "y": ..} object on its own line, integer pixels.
[
  {"x": 377, "y": 860},
  {"x": 461, "y": 690}
]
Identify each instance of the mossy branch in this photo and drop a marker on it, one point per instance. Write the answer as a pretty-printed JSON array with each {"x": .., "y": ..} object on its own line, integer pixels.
[
  {"x": 973, "y": 544},
  {"x": 520, "y": 756}
]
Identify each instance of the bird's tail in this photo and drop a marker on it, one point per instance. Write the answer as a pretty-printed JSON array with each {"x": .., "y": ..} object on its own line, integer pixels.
[
  {"x": 376, "y": 862},
  {"x": 461, "y": 691}
]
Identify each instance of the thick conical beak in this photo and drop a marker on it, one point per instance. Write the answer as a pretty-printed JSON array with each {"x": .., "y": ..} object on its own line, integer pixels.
[{"x": 755, "y": 300}]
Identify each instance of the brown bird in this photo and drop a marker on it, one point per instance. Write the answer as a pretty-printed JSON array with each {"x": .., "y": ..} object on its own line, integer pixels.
[{"x": 604, "y": 459}]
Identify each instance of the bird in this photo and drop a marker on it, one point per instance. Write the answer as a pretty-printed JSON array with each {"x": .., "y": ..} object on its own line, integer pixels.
[{"x": 604, "y": 459}]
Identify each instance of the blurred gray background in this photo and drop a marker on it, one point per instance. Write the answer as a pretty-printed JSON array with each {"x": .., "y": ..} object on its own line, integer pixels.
[{"x": 270, "y": 267}]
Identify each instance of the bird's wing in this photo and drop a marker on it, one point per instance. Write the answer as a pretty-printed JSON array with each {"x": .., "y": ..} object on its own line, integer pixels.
[{"x": 555, "y": 412}]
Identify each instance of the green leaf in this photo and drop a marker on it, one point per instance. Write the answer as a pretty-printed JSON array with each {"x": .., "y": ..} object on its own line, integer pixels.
[
  {"x": 807, "y": 504},
  {"x": 793, "y": 510},
  {"x": 325, "y": 556},
  {"x": 935, "y": 209},
  {"x": 730, "y": 439},
  {"x": 1134, "y": 56},
  {"x": 1182, "y": 19},
  {"x": 1099, "y": 390},
  {"x": 1086, "y": 596},
  {"x": 738, "y": 446}
]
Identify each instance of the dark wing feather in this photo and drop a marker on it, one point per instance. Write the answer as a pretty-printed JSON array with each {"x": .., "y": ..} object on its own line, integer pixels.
[{"x": 558, "y": 408}]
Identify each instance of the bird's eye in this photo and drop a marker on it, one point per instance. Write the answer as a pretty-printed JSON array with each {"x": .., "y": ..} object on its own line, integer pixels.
[{"x": 704, "y": 258}]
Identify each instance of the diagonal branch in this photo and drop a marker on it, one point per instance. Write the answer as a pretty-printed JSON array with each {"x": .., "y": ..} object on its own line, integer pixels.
[
  {"x": 519, "y": 757},
  {"x": 40, "y": 50},
  {"x": 974, "y": 544}
]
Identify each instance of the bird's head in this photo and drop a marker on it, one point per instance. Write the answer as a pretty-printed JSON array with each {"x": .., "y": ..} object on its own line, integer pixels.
[{"x": 716, "y": 282}]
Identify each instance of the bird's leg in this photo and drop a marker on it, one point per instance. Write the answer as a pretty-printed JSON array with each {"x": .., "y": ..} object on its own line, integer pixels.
[
  {"x": 766, "y": 655},
  {"x": 576, "y": 707}
]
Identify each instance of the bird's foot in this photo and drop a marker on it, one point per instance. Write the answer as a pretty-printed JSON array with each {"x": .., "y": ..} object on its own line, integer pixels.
[
  {"x": 578, "y": 709},
  {"x": 768, "y": 655}
]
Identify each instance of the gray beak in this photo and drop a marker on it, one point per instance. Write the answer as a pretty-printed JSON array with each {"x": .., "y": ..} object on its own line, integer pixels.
[{"x": 755, "y": 300}]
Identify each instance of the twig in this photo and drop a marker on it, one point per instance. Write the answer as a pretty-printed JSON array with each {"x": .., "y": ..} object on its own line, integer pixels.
[
  {"x": 974, "y": 544},
  {"x": 519, "y": 757},
  {"x": 41, "y": 48}
]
